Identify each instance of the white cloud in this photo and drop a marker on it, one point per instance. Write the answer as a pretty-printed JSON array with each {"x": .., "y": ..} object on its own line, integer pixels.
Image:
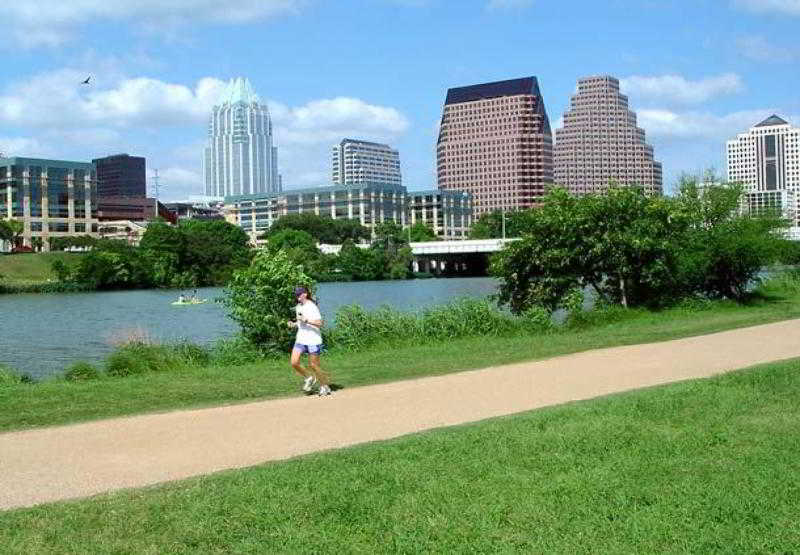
[
  {"x": 667, "y": 124},
  {"x": 677, "y": 89},
  {"x": 761, "y": 50},
  {"x": 52, "y": 22},
  {"x": 508, "y": 4},
  {"x": 58, "y": 100},
  {"x": 788, "y": 7},
  {"x": 146, "y": 116},
  {"x": 21, "y": 146}
]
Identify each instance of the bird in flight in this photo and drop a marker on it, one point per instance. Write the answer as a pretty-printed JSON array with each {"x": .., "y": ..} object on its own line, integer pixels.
[{"x": 86, "y": 81}]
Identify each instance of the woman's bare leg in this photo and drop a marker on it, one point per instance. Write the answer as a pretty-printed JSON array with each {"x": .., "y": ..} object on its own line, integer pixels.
[
  {"x": 319, "y": 373},
  {"x": 295, "y": 362}
]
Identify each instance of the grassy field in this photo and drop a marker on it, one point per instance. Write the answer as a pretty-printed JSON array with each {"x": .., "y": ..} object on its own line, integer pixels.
[
  {"x": 59, "y": 402},
  {"x": 30, "y": 268},
  {"x": 702, "y": 466}
]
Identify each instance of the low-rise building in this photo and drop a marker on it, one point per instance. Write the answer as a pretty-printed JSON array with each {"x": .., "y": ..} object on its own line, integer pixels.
[
  {"x": 369, "y": 203},
  {"x": 52, "y": 198},
  {"x": 447, "y": 213}
]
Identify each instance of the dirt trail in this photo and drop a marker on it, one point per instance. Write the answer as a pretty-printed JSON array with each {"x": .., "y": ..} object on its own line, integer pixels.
[{"x": 43, "y": 465}]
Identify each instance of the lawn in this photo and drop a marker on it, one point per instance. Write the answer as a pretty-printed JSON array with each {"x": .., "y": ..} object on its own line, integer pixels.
[
  {"x": 702, "y": 466},
  {"x": 30, "y": 268},
  {"x": 59, "y": 402}
]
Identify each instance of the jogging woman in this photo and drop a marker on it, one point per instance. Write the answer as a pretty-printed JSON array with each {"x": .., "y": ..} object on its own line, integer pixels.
[{"x": 309, "y": 341}]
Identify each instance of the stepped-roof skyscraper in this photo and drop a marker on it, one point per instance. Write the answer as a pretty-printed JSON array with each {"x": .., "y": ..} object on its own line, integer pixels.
[
  {"x": 240, "y": 158},
  {"x": 495, "y": 143},
  {"x": 600, "y": 143}
]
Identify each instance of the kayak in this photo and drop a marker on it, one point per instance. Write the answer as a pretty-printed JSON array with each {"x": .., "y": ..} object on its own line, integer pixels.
[{"x": 181, "y": 303}]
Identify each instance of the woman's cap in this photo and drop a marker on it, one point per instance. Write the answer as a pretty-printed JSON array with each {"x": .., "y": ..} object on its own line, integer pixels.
[{"x": 299, "y": 291}]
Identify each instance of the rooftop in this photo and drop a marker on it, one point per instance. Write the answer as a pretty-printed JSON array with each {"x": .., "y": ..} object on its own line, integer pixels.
[
  {"x": 238, "y": 90},
  {"x": 772, "y": 120},
  {"x": 496, "y": 89}
]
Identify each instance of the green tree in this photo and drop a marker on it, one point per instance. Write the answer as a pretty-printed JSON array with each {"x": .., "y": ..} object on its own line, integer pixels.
[
  {"x": 260, "y": 298},
  {"x": 11, "y": 231},
  {"x": 213, "y": 250},
  {"x": 421, "y": 232},
  {"x": 360, "y": 264},
  {"x": 291, "y": 239},
  {"x": 323, "y": 229},
  {"x": 490, "y": 225}
]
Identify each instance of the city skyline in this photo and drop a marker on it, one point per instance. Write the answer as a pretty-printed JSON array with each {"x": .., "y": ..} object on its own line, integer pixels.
[{"x": 157, "y": 70}]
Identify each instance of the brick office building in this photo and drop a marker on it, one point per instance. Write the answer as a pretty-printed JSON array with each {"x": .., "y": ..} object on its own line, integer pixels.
[{"x": 495, "y": 143}]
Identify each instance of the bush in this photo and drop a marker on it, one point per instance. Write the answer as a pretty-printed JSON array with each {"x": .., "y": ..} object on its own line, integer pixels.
[
  {"x": 261, "y": 300},
  {"x": 357, "y": 328},
  {"x": 464, "y": 317},
  {"x": 8, "y": 377},
  {"x": 141, "y": 358},
  {"x": 192, "y": 354},
  {"x": 537, "y": 319},
  {"x": 235, "y": 351},
  {"x": 81, "y": 371}
]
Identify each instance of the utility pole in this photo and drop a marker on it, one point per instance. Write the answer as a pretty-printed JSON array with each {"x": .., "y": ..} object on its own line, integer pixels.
[
  {"x": 503, "y": 219},
  {"x": 155, "y": 185}
]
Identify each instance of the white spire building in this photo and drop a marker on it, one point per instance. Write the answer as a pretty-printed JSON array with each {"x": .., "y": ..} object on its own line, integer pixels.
[{"x": 240, "y": 158}]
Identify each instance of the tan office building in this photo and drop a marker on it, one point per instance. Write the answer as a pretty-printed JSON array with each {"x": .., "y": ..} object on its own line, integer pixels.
[
  {"x": 495, "y": 143},
  {"x": 601, "y": 144}
]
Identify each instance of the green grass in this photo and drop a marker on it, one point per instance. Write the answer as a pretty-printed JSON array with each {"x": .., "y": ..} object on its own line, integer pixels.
[
  {"x": 33, "y": 268},
  {"x": 702, "y": 466},
  {"x": 60, "y": 402}
]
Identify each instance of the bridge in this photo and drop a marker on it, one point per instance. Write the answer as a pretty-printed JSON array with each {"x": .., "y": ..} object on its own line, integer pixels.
[{"x": 467, "y": 257}]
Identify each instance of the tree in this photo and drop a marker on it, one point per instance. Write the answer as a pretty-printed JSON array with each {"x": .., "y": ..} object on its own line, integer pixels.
[
  {"x": 490, "y": 224},
  {"x": 260, "y": 298},
  {"x": 361, "y": 264},
  {"x": 421, "y": 232},
  {"x": 323, "y": 229},
  {"x": 11, "y": 231},
  {"x": 213, "y": 250},
  {"x": 291, "y": 238}
]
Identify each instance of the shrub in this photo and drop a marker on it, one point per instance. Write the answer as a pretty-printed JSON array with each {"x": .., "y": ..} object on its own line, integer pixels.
[
  {"x": 190, "y": 353},
  {"x": 464, "y": 317},
  {"x": 261, "y": 300},
  {"x": 235, "y": 351},
  {"x": 8, "y": 376},
  {"x": 536, "y": 319},
  {"x": 140, "y": 358},
  {"x": 81, "y": 371},
  {"x": 357, "y": 328}
]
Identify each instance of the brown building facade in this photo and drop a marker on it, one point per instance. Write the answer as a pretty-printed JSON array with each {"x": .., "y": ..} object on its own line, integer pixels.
[
  {"x": 495, "y": 143},
  {"x": 600, "y": 143}
]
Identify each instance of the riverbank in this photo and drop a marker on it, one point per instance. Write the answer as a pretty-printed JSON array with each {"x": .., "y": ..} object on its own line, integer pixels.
[
  {"x": 33, "y": 273},
  {"x": 189, "y": 385},
  {"x": 651, "y": 470}
]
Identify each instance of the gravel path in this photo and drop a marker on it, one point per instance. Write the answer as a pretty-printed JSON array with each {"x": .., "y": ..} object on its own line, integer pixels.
[{"x": 50, "y": 464}]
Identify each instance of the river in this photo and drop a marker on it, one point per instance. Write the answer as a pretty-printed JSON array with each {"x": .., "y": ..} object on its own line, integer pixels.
[{"x": 41, "y": 335}]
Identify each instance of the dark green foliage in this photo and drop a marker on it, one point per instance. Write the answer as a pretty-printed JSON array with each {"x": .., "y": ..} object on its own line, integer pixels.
[
  {"x": 80, "y": 241},
  {"x": 138, "y": 358},
  {"x": 635, "y": 250},
  {"x": 357, "y": 328},
  {"x": 421, "y": 232},
  {"x": 235, "y": 351},
  {"x": 360, "y": 264},
  {"x": 9, "y": 377},
  {"x": 490, "y": 225},
  {"x": 323, "y": 229},
  {"x": 260, "y": 298},
  {"x": 81, "y": 371},
  {"x": 214, "y": 249},
  {"x": 195, "y": 355}
]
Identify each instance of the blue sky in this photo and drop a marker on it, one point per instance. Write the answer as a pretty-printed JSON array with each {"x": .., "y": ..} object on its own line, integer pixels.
[{"x": 697, "y": 72}]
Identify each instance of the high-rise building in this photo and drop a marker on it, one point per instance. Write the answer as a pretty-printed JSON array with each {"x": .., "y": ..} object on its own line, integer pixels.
[
  {"x": 766, "y": 160},
  {"x": 240, "y": 158},
  {"x": 495, "y": 143},
  {"x": 121, "y": 175},
  {"x": 600, "y": 143},
  {"x": 355, "y": 161}
]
